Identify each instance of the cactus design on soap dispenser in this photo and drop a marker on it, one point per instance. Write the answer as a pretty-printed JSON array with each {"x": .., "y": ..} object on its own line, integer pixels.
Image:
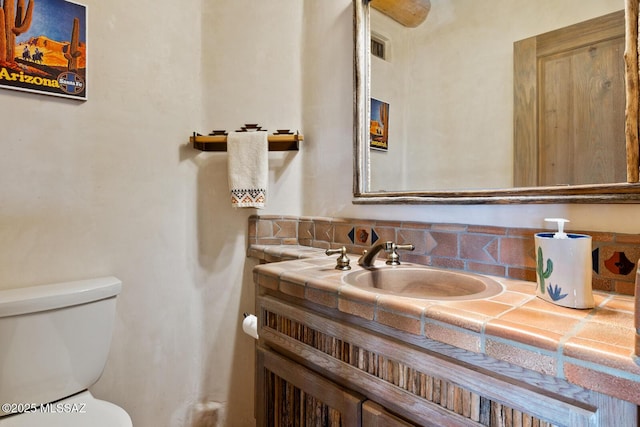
[{"x": 543, "y": 274}]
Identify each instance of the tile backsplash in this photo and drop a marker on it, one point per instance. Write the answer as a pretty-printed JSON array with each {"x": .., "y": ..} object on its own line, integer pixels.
[{"x": 499, "y": 251}]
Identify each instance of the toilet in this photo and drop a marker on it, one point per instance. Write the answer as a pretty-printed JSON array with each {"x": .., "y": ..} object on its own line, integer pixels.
[{"x": 54, "y": 342}]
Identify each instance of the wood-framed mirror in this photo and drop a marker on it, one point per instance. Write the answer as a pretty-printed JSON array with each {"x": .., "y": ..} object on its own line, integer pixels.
[{"x": 468, "y": 192}]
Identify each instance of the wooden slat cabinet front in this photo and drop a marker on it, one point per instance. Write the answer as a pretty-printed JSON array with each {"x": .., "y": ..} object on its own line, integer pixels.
[
  {"x": 291, "y": 395},
  {"x": 409, "y": 384}
]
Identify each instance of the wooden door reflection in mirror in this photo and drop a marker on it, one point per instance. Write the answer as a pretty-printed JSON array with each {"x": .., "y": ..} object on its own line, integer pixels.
[{"x": 571, "y": 131}]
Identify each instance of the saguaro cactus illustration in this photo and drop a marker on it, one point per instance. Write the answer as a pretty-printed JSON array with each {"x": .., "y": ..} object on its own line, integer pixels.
[
  {"x": 14, "y": 21},
  {"x": 72, "y": 51},
  {"x": 543, "y": 274}
]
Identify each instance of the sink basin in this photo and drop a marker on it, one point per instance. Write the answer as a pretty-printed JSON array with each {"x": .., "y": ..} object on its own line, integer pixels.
[{"x": 424, "y": 282}]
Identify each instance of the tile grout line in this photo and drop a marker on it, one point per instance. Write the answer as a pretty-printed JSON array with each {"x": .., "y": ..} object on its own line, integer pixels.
[{"x": 572, "y": 333}]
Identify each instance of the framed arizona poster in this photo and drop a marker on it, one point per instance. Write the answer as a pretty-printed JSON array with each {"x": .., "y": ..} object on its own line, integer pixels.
[
  {"x": 43, "y": 47},
  {"x": 379, "y": 125}
]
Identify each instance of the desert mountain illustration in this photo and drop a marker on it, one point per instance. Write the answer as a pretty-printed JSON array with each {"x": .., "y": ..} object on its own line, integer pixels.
[{"x": 53, "y": 52}]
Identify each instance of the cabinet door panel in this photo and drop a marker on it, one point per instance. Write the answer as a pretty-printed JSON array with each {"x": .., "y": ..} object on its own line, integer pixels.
[{"x": 291, "y": 395}]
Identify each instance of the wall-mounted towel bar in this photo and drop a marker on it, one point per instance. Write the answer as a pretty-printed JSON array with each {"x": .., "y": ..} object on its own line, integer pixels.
[{"x": 283, "y": 140}]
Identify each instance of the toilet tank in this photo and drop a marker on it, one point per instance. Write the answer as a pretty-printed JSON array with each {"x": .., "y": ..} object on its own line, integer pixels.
[{"x": 54, "y": 339}]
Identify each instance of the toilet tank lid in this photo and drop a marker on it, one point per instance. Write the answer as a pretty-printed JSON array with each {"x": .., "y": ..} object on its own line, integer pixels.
[{"x": 33, "y": 299}]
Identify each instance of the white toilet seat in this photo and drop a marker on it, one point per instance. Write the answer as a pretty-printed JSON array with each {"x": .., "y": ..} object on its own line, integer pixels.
[{"x": 79, "y": 410}]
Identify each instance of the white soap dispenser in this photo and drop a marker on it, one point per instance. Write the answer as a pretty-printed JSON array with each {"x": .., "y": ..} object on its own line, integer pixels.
[{"x": 563, "y": 267}]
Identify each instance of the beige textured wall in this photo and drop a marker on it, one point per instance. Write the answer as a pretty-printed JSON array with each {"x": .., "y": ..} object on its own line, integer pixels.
[
  {"x": 454, "y": 75},
  {"x": 107, "y": 187},
  {"x": 328, "y": 124}
]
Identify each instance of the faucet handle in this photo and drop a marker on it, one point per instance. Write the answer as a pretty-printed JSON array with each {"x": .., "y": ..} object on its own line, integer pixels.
[
  {"x": 342, "y": 260},
  {"x": 393, "y": 258}
]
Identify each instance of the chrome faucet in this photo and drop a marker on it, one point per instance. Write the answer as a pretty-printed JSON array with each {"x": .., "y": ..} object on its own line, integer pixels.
[{"x": 369, "y": 256}]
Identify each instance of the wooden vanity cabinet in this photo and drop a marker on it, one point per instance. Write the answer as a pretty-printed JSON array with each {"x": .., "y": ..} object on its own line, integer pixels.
[{"x": 317, "y": 367}]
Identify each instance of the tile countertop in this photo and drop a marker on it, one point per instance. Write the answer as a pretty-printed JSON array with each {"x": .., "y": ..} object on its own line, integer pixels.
[{"x": 592, "y": 348}]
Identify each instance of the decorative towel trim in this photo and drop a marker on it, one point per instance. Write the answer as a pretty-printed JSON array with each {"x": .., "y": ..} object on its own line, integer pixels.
[{"x": 248, "y": 198}]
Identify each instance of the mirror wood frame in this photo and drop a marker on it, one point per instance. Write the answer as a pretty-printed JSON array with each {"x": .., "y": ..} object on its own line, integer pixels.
[{"x": 628, "y": 192}]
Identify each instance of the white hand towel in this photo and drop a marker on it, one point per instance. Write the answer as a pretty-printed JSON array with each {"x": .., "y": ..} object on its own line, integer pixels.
[{"x": 248, "y": 164}]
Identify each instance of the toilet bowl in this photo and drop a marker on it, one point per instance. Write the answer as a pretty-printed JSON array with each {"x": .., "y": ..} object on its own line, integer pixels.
[{"x": 54, "y": 342}]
